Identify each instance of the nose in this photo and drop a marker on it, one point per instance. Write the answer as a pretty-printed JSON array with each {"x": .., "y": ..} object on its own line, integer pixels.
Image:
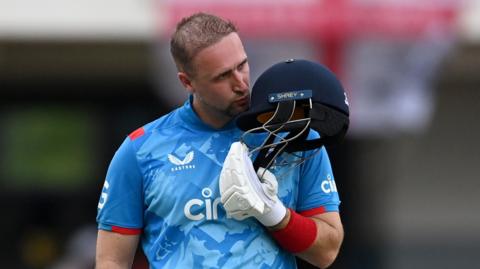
[{"x": 239, "y": 82}]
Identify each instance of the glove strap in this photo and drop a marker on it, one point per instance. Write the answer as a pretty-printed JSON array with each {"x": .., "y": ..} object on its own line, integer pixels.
[
  {"x": 275, "y": 216},
  {"x": 299, "y": 234}
]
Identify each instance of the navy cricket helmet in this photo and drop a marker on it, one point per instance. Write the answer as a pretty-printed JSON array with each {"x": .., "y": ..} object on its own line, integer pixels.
[{"x": 294, "y": 96}]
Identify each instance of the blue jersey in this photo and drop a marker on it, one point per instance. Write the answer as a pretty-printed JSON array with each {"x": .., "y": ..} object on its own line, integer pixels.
[{"x": 163, "y": 183}]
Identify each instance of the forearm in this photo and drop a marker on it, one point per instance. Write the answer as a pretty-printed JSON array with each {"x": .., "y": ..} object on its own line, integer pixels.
[
  {"x": 326, "y": 246},
  {"x": 115, "y": 250},
  {"x": 106, "y": 264},
  {"x": 315, "y": 239}
]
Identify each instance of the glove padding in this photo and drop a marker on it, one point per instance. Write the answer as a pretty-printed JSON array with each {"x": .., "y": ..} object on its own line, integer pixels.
[{"x": 243, "y": 194}]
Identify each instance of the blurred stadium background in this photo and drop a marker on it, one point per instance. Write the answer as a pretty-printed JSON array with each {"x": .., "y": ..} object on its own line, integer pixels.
[{"x": 77, "y": 76}]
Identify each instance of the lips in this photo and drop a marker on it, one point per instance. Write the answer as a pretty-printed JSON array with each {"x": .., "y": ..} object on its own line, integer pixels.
[{"x": 243, "y": 101}]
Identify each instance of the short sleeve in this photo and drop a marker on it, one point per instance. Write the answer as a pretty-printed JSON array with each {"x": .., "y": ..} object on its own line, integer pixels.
[
  {"x": 121, "y": 202},
  {"x": 317, "y": 189}
]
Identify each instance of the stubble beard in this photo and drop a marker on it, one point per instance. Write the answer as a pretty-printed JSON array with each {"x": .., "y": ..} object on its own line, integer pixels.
[
  {"x": 226, "y": 113},
  {"x": 234, "y": 110}
]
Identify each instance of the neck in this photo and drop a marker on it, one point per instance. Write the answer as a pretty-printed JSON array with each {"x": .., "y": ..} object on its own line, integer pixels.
[{"x": 209, "y": 115}]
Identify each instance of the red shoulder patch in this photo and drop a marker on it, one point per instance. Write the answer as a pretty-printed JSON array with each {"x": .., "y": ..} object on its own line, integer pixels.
[{"x": 137, "y": 133}]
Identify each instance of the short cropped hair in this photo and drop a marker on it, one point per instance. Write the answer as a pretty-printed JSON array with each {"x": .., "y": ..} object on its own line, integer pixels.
[{"x": 194, "y": 33}]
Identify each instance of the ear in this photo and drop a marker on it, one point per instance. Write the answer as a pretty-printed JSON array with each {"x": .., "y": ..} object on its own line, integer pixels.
[{"x": 186, "y": 81}]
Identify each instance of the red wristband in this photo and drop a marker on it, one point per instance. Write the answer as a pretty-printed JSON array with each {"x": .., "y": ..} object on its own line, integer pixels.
[{"x": 298, "y": 235}]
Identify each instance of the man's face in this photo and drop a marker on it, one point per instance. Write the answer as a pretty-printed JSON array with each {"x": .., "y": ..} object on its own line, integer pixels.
[{"x": 221, "y": 81}]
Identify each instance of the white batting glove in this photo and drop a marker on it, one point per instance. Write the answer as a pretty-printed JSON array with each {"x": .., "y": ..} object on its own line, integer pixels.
[{"x": 242, "y": 193}]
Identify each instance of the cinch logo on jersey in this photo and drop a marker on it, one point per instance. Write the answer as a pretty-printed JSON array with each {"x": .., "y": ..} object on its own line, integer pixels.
[
  {"x": 329, "y": 185},
  {"x": 182, "y": 164},
  {"x": 209, "y": 208}
]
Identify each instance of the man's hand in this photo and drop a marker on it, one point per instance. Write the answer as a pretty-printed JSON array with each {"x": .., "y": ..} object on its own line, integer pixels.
[{"x": 245, "y": 193}]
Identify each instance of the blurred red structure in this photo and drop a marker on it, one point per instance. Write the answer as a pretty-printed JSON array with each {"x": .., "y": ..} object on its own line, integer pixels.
[
  {"x": 330, "y": 22},
  {"x": 319, "y": 19}
]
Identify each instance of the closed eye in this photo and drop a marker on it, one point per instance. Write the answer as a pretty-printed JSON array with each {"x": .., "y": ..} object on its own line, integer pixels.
[
  {"x": 223, "y": 76},
  {"x": 227, "y": 73},
  {"x": 242, "y": 65}
]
